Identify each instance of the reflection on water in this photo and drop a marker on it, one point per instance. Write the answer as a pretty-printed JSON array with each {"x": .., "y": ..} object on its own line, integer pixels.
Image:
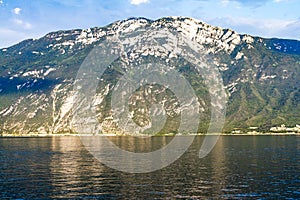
[
  {"x": 239, "y": 167},
  {"x": 140, "y": 144}
]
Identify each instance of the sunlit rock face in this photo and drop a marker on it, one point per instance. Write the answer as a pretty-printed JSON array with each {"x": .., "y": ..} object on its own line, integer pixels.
[{"x": 261, "y": 78}]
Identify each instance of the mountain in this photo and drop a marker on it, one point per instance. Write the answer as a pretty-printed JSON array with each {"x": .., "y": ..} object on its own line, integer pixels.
[{"x": 261, "y": 77}]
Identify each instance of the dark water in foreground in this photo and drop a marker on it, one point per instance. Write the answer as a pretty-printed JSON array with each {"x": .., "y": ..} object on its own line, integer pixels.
[{"x": 239, "y": 167}]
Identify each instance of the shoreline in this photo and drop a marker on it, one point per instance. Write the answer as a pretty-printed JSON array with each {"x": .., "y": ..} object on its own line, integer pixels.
[{"x": 164, "y": 135}]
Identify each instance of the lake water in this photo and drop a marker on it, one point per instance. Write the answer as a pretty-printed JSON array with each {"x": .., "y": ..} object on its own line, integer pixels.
[{"x": 239, "y": 167}]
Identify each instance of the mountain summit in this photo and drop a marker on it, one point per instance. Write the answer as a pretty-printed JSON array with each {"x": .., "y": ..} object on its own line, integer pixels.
[{"x": 261, "y": 78}]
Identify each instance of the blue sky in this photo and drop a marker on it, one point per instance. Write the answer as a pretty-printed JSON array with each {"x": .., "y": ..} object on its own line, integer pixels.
[{"x": 22, "y": 19}]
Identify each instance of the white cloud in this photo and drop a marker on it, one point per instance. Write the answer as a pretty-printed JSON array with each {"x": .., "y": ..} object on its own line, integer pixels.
[
  {"x": 137, "y": 2},
  {"x": 9, "y": 37},
  {"x": 278, "y": 1},
  {"x": 261, "y": 27},
  {"x": 17, "y": 11},
  {"x": 266, "y": 24},
  {"x": 23, "y": 24},
  {"x": 224, "y": 3},
  {"x": 231, "y": 4},
  {"x": 1, "y": 2}
]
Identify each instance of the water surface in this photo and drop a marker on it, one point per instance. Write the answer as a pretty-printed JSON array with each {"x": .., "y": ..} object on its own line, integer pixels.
[{"x": 239, "y": 167}]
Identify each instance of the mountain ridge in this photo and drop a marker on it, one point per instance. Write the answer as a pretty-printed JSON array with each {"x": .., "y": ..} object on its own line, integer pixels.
[{"x": 260, "y": 75}]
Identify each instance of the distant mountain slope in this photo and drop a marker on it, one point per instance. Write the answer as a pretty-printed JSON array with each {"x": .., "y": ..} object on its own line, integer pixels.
[{"x": 261, "y": 76}]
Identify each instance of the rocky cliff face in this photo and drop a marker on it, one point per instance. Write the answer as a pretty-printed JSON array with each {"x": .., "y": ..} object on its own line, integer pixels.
[{"x": 261, "y": 78}]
